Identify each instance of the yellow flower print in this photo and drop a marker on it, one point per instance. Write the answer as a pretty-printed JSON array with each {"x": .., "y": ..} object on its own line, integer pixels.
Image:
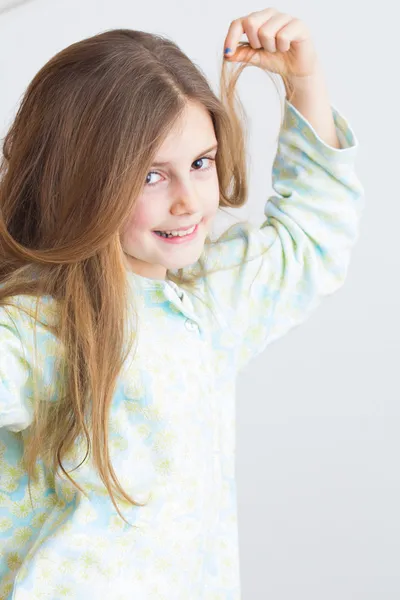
[
  {"x": 5, "y": 523},
  {"x": 163, "y": 440},
  {"x": 87, "y": 560},
  {"x": 64, "y": 591},
  {"x": 144, "y": 430},
  {"x": 14, "y": 561},
  {"x": 9, "y": 484},
  {"x": 21, "y": 509},
  {"x": 164, "y": 467},
  {"x": 65, "y": 567},
  {"x": 22, "y": 535},
  {"x": 13, "y": 471},
  {"x": 118, "y": 443},
  {"x": 39, "y": 520},
  {"x": 5, "y": 590}
]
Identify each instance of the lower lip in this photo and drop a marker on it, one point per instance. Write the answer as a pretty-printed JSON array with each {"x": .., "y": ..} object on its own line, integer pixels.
[{"x": 178, "y": 240}]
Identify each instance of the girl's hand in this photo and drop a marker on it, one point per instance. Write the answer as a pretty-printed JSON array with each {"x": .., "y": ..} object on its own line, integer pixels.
[{"x": 278, "y": 43}]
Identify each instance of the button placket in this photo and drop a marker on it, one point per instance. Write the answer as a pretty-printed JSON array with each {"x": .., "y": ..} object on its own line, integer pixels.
[{"x": 183, "y": 304}]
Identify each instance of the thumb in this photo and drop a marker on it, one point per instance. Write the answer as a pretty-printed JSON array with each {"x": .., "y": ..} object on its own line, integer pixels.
[{"x": 243, "y": 53}]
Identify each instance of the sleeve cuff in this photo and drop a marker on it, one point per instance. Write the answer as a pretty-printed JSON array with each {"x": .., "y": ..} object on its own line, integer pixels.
[{"x": 294, "y": 123}]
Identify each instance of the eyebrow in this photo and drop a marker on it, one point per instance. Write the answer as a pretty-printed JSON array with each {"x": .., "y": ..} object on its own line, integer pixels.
[{"x": 163, "y": 164}]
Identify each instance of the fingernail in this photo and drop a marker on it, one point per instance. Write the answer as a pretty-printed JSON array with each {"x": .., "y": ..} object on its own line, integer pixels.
[{"x": 227, "y": 50}]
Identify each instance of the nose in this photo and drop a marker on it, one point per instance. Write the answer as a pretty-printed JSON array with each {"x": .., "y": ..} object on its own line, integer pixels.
[{"x": 186, "y": 198}]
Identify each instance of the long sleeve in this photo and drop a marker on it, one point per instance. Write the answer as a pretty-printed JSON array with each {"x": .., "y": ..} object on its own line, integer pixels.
[
  {"x": 15, "y": 409},
  {"x": 301, "y": 252}
]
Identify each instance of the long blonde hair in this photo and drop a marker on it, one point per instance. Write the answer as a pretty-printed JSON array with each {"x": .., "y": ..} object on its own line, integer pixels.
[{"x": 75, "y": 159}]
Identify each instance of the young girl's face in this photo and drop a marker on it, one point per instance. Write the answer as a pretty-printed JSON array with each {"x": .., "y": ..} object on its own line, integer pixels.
[{"x": 181, "y": 192}]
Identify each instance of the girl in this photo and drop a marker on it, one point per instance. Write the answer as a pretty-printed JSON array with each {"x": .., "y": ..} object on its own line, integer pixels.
[{"x": 123, "y": 326}]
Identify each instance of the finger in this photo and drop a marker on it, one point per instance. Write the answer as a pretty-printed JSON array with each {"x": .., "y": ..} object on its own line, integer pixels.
[
  {"x": 268, "y": 33},
  {"x": 248, "y": 25},
  {"x": 233, "y": 36},
  {"x": 295, "y": 31},
  {"x": 251, "y": 25}
]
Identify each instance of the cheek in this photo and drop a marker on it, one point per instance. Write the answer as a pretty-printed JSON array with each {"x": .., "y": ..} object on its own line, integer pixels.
[
  {"x": 141, "y": 220},
  {"x": 214, "y": 196}
]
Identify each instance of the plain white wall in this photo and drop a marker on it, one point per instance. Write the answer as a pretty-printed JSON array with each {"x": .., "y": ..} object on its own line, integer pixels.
[{"x": 318, "y": 413}]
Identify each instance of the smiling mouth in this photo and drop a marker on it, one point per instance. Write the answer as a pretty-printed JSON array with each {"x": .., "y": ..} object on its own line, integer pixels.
[
  {"x": 178, "y": 229},
  {"x": 180, "y": 232},
  {"x": 177, "y": 238}
]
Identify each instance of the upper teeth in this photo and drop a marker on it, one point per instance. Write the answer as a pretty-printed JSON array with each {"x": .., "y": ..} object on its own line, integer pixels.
[{"x": 180, "y": 233}]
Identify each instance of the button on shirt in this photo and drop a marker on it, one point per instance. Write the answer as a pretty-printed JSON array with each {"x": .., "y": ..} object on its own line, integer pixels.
[
  {"x": 172, "y": 419},
  {"x": 190, "y": 325}
]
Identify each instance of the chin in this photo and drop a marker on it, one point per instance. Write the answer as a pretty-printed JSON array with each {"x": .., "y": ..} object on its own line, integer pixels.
[{"x": 174, "y": 265}]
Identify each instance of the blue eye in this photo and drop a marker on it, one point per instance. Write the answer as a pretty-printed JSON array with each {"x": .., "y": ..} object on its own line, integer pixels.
[{"x": 210, "y": 158}]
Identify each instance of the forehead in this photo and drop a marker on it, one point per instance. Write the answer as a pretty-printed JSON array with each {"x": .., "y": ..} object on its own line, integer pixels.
[{"x": 191, "y": 133}]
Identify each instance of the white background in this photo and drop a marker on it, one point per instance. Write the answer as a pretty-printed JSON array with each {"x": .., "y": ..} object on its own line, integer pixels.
[{"x": 319, "y": 411}]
